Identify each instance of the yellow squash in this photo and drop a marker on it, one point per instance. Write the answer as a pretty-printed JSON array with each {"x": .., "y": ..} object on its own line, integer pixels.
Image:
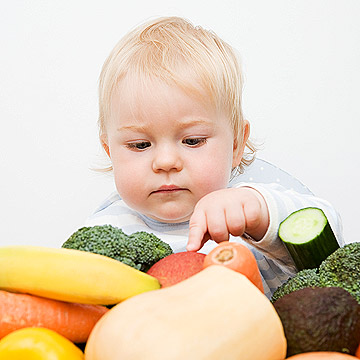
[
  {"x": 70, "y": 275},
  {"x": 216, "y": 314},
  {"x": 38, "y": 344}
]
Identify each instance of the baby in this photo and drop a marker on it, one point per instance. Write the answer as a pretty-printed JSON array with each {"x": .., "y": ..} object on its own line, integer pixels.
[{"x": 171, "y": 123}]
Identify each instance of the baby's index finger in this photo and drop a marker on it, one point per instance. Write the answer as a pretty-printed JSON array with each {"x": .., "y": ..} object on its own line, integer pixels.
[
  {"x": 195, "y": 237},
  {"x": 197, "y": 230}
]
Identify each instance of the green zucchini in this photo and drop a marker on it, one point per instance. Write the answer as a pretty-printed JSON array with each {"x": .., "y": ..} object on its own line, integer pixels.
[{"x": 308, "y": 237}]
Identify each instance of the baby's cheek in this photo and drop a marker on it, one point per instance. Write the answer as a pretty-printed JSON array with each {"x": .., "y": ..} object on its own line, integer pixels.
[
  {"x": 209, "y": 180},
  {"x": 127, "y": 186}
]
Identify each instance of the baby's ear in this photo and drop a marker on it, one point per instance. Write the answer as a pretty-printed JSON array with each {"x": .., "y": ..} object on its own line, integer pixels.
[
  {"x": 104, "y": 144},
  {"x": 239, "y": 145}
]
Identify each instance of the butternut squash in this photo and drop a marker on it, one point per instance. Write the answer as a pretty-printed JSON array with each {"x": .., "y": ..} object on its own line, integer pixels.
[{"x": 215, "y": 314}]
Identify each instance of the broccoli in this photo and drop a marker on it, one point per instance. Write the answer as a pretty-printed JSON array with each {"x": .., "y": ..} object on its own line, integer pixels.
[
  {"x": 303, "y": 279},
  {"x": 339, "y": 269},
  {"x": 139, "y": 250},
  {"x": 342, "y": 269}
]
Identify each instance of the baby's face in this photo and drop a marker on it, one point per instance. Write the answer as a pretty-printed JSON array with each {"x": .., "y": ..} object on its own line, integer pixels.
[{"x": 167, "y": 149}]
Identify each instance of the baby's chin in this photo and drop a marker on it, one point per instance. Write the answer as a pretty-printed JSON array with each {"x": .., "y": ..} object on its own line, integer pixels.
[
  {"x": 171, "y": 218},
  {"x": 165, "y": 211}
]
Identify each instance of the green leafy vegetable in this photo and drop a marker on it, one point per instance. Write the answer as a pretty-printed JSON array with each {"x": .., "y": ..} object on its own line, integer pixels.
[{"x": 140, "y": 250}]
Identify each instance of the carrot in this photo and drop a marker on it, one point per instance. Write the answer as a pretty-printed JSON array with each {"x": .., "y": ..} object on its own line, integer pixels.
[
  {"x": 357, "y": 354},
  {"x": 71, "y": 320},
  {"x": 237, "y": 257}
]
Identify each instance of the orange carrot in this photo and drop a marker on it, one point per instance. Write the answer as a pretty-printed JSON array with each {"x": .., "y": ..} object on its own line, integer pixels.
[
  {"x": 357, "y": 354},
  {"x": 71, "y": 320},
  {"x": 236, "y": 257}
]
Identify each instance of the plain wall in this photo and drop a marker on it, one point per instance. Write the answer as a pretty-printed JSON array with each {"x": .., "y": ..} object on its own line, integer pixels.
[{"x": 301, "y": 63}]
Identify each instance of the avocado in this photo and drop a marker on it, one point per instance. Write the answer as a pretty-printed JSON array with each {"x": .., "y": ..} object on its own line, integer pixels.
[{"x": 320, "y": 319}]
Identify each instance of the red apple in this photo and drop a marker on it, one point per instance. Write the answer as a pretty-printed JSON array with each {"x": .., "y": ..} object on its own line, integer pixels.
[{"x": 177, "y": 267}]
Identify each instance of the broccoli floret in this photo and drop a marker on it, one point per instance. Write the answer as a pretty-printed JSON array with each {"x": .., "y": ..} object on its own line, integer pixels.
[
  {"x": 303, "y": 279},
  {"x": 148, "y": 248},
  {"x": 342, "y": 269},
  {"x": 139, "y": 250}
]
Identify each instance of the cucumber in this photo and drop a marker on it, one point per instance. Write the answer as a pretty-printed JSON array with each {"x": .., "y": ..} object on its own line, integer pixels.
[{"x": 308, "y": 237}]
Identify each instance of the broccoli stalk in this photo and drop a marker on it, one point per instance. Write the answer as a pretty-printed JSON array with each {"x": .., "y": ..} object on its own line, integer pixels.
[{"x": 139, "y": 250}]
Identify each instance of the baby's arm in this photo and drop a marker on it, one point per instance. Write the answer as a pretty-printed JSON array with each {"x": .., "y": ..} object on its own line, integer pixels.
[{"x": 280, "y": 203}]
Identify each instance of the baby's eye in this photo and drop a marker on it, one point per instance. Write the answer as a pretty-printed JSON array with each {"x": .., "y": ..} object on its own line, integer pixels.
[
  {"x": 141, "y": 145},
  {"x": 194, "y": 141}
]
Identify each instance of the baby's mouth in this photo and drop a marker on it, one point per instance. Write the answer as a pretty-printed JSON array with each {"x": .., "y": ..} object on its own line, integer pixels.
[{"x": 168, "y": 189}]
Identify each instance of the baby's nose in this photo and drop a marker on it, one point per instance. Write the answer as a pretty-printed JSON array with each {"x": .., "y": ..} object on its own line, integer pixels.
[{"x": 167, "y": 158}]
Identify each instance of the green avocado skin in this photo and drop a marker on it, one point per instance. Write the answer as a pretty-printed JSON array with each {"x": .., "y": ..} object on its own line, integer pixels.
[{"x": 320, "y": 319}]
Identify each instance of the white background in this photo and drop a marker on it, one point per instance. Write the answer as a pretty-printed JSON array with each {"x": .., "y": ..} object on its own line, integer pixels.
[{"x": 302, "y": 82}]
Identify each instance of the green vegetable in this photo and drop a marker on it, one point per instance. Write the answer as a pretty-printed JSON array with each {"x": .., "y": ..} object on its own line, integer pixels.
[
  {"x": 308, "y": 236},
  {"x": 303, "y": 279},
  {"x": 140, "y": 250},
  {"x": 320, "y": 319},
  {"x": 342, "y": 269}
]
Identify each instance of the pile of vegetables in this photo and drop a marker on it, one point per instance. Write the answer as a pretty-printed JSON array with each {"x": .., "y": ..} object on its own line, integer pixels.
[
  {"x": 95, "y": 299},
  {"x": 60, "y": 294},
  {"x": 320, "y": 307}
]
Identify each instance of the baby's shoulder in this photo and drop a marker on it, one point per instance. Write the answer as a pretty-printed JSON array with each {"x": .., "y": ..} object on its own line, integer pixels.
[
  {"x": 113, "y": 199},
  {"x": 113, "y": 210}
]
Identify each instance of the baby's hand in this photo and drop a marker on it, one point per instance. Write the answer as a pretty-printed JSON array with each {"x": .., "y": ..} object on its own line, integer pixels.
[{"x": 229, "y": 211}]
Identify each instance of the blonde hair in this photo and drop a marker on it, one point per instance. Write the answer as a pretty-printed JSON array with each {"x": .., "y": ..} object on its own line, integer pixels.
[{"x": 159, "y": 49}]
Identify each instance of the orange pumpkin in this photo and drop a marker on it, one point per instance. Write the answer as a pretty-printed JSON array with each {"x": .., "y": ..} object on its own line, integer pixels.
[{"x": 322, "y": 355}]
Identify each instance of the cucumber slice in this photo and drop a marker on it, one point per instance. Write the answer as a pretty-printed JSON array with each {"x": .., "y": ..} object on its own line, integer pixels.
[{"x": 308, "y": 237}]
